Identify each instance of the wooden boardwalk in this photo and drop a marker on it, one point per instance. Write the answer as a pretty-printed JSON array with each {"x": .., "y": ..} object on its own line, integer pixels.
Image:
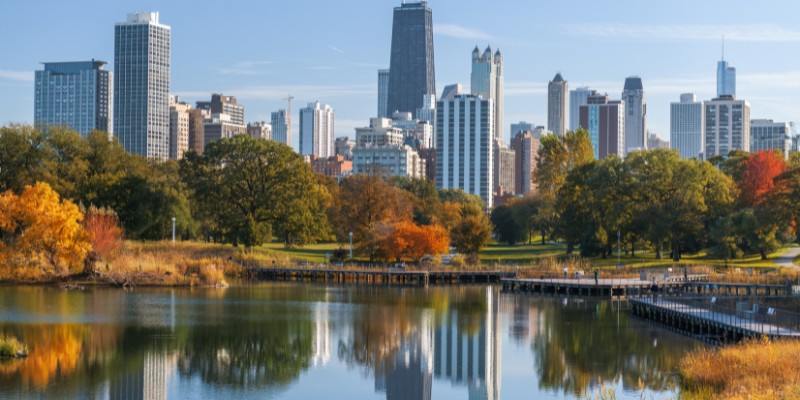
[
  {"x": 602, "y": 288},
  {"x": 386, "y": 277},
  {"x": 699, "y": 318}
]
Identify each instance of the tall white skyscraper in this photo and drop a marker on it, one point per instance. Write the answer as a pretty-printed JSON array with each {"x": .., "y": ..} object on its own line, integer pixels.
[
  {"x": 557, "y": 105},
  {"x": 280, "y": 127},
  {"x": 141, "y": 85},
  {"x": 578, "y": 98},
  {"x": 316, "y": 130},
  {"x": 464, "y": 145},
  {"x": 383, "y": 93},
  {"x": 727, "y": 126},
  {"x": 77, "y": 95},
  {"x": 687, "y": 119},
  {"x": 487, "y": 82},
  {"x": 636, "y": 115}
]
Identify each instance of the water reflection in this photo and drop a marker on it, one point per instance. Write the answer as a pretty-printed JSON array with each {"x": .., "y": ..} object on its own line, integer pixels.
[{"x": 290, "y": 341}]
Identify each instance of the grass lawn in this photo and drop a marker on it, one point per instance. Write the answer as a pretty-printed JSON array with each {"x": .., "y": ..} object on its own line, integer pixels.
[
  {"x": 522, "y": 253},
  {"x": 311, "y": 253}
]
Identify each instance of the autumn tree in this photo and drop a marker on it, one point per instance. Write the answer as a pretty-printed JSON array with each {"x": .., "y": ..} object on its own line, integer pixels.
[
  {"x": 472, "y": 233},
  {"x": 104, "y": 231},
  {"x": 37, "y": 229},
  {"x": 758, "y": 179},
  {"x": 408, "y": 241}
]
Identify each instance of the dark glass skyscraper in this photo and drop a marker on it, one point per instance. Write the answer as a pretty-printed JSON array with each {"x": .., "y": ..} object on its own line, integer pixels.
[{"x": 411, "y": 72}]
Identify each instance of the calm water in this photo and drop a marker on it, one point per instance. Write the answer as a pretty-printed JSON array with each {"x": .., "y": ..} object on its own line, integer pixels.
[{"x": 287, "y": 341}]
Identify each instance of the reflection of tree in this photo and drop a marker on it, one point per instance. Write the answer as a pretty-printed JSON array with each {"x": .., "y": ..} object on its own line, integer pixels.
[{"x": 573, "y": 353}]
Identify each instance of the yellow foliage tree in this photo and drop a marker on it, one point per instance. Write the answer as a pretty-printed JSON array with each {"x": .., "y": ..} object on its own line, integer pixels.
[
  {"x": 38, "y": 229},
  {"x": 408, "y": 241}
]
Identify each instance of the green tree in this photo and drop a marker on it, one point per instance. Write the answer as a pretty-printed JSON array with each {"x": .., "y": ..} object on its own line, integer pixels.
[
  {"x": 23, "y": 152},
  {"x": 506, "y": 227},
  {"x": 471, "y": 235}
]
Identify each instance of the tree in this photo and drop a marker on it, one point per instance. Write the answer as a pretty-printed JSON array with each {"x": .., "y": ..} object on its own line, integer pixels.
[
  {"x": 471, "y": 235},
  {"x": 23, "y": 151},
  {"x": 38, "y": 229},
  {"x": 246, "y": 190},
  {"x": 423, "y": 197},
  {"x": 506, "y": 227},
  {"x": 758, "y": 180},
  {"x": 104, "y": 231},
  {"x": 408, "y": 241}
]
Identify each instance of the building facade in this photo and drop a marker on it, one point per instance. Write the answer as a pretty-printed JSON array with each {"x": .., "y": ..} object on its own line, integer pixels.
[
  {"x": 411, "y": 69},
  {"x": 336, "y": 167},
  {"x": 387, "y": 161},
  {"x": 316, "y": 130},
  {"x": 221, "y": 126},
  {"x": 76, "y": 95},
  {"x": 281, "y": 130},
  {"x": 221, "y": 104},
  {"x": 578, "y": 98},
  {"x": 383, "y": 93},
  {"x": 766, "y": 134},
  {"x": 635, "y": 115},
  {"x": 487, "y": 82},
  {"x": 197, "y": 120},
  {"x": 344, "y": 147},
  {"x": 504, "y": 171},
  {"x": 726, "y": 79},
  {"x": 464, "y": 145},
  {"x": 520, "y": 127},
  {"x": 526, "y": 151},
  {"x": 727, "y": 126},
  {"x": 141, "y": 85},
  {"x": 557, "y": 105},
  {"x": 687, "y": 120},
  {"x": 605, "y": 121},
  {"x": 260, "y": 130},
  {"x": 179, "y": 117}
]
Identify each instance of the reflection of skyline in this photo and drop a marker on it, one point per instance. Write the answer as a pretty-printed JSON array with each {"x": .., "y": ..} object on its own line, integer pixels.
[
  {"x": 410, "y": 374},
  {"x": 321, "y": 352},
  {"x": 470, "y": 359},
  {"x": 146, "y": 382}
]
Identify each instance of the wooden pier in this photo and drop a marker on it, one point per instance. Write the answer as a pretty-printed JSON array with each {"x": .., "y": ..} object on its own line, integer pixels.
[
  {"x": 385, "y": 277},
  {"x": 738, "y": 289},
  {"x": 699, "y": 318},
  {"x": 602, "y": 288}
]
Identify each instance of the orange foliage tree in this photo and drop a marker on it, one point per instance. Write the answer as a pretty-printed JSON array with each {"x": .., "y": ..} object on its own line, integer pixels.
[
  {"x": 104, "y": 230},
  {"x": 408, "y": 241},
  {"x": 758, "y": 180},
  {"x": 37, "y": 229}
]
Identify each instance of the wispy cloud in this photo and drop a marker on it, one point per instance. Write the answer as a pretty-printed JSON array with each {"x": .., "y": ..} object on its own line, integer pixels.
[
  {"x": 737, "y": 33},
  {"x": 26, "y": 76},
  {"x": 460, "y": 32},
  {"x": 336, "y": 49},
  {"x": 246, "y": 68}
]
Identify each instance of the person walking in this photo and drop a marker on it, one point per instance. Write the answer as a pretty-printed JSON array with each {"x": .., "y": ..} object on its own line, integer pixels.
[
  {"x": 566, "y": 271},
  {"x": 596, "y": 277}
]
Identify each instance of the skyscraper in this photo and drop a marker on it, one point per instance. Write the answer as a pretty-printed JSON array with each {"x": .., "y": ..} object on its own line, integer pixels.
[
  {"x": 605, "y": 121},
  {"x": 727, "y": 126},
  {"x": 220, "y": 104},
  {"x": 686, "y": 126},
  {"x": 557, "y": 105},
  {"x": 726, "y": 77},
  {"x": 77, "y": 95},
  {"x": 520, "y": 127},
  {"x": 316, "y": 130},
  {"x": 411, "y": 70},
  {"x": 280, "y": 127},
  {"x": 487, "y": 82},
  {"x": 179, "y": 117},
  {"x": 383, "y": 93},
  {"x": 526, "y": 150},
  {"x": 578, "y": 98},
  {"x": 141, "y": 85},
  {"x": 452, "y": 91},
  {"x": 464, "y": 145},
  {"x": 765, "y": 134},
  {"x": 636, "y": 115}
]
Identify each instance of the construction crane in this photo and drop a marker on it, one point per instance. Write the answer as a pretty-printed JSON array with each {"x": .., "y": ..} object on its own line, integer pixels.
[{"x": 289, "y": 119}]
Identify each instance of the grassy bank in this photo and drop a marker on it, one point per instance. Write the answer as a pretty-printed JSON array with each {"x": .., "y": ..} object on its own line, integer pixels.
[
  {"x": 752, "y": 370},
  {"x": 10, "y": 347}
]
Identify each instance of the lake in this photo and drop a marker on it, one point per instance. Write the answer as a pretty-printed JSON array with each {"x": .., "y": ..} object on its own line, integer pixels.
[{"x": 305, "y": 341}]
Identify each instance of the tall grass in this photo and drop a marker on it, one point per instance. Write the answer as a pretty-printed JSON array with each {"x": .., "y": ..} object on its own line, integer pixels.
[{"x": 750, "y": 370}]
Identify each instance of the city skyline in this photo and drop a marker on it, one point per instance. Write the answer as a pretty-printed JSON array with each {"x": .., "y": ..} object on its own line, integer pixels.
[{"x": 682, "y": 53}]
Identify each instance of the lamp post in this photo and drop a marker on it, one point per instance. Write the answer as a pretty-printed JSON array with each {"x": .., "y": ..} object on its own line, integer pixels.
[
  {"x": 351, "y": 246},
  {"x": 173, "y": 231},
  {"x": 619, "y": 233}
]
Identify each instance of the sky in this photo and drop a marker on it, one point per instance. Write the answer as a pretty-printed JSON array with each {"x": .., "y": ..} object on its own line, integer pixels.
[{"x": 263, "y": 50}]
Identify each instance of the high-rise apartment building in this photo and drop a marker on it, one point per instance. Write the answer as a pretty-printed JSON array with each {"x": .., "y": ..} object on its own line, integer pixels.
[
  {"x": 605, "y": 121},
  {"x": 504, "y": 168},
  {"x": 687, "y": 120},
  {"x": 76, "y": 95},
  {"x": 557, "y": 105},
  {"x": 765, "y": 134},
  {"x": 197, "y": 119},
  {"x": 220, "y": 104},
  {"x": 221, "y": 126},
  {"x": 383, "y": 93},
  {"x": 316, "y": 130},
  {"x": 179, "y": 118},
  {"x": 427, "y": 112},
  {"x": 727, "y": 126},
  {"x": 141, "y": 85},
  {"x": 487, "y": 82},
  {"x": 464, "y": 145},
  {"x": 280, "y": 127},
  {"x": 636, "y": 115},
  {"x": 526, "y": 151},
  {"x": 411, "y": 69},
  {"x": 520, "y": 127},
  {"x": 380, "y": 151},
  {"x": 260, "y": 130},
  {"x": 578, "y": 98}
]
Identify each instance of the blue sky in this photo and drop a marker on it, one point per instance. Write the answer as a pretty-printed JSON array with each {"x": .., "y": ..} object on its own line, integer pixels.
[{"x": 262, "y": 50}]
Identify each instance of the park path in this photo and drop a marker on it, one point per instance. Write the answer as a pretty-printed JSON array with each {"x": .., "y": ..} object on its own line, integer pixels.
[{"x": 786, "y": 259}]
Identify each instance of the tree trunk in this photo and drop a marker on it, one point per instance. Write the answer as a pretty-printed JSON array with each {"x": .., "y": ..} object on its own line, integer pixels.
[
  {"x": 658, "y": 252},
  {"x": 763, "y": 254},
  {"x": 570, "y": 248},
  {"x": 676, "y": 253}
]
